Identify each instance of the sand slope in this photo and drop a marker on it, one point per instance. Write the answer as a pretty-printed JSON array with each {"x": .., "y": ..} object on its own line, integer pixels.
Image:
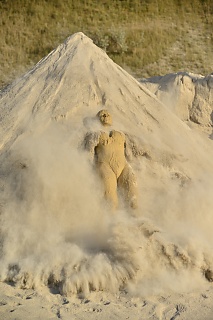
[
  {"x": 58, "y": 236},
  {"x": 188, "y": 95}
]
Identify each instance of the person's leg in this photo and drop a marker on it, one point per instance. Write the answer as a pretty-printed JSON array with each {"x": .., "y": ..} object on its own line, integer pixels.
[
  {"x": 110, "y": 184},
  {"x": 127, "y": 183}
]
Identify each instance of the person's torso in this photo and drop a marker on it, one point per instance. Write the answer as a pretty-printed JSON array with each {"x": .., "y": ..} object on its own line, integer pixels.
[{"x": 111, "y": 150}]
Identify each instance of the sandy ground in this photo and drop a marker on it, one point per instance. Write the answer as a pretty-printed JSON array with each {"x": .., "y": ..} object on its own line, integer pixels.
[
  {"x": 65, "y": 254},
  {"x": 44, "y": 304}
]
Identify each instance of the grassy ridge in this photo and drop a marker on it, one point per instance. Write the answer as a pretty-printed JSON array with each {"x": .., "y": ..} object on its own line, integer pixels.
[{"x": 148, "y": 37}]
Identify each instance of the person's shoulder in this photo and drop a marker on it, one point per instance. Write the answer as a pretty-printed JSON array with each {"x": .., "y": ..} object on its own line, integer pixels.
[{"x": 118, "y": 134}]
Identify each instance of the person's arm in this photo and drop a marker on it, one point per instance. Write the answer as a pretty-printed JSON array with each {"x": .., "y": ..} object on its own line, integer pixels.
[
  {"x": 91, "y": 141},
  {"x": 128, "y": 148}
]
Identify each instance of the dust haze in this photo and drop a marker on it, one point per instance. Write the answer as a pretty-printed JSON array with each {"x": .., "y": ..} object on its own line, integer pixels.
[
  {"x": 56, "y": 228},
  {"x": 58, "y": 231}
]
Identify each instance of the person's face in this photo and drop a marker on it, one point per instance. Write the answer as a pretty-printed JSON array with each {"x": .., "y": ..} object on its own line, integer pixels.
[{"x": 105, "y": 117}]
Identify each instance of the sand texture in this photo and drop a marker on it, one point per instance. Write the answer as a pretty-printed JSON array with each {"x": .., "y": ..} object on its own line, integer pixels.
[{"x": 65, "y": 253}]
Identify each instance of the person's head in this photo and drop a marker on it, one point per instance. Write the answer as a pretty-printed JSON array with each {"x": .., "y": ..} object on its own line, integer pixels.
[{"x": 105, "y": 117}]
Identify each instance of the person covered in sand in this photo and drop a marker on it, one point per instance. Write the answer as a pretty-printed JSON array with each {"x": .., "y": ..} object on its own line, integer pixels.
[{"x": 109, "y": 151}]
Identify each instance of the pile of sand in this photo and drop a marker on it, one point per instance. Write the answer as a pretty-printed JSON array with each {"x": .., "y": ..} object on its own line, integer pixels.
[
  {"x": 188, "y": 95},
  {"x": 56, "y": 229}
]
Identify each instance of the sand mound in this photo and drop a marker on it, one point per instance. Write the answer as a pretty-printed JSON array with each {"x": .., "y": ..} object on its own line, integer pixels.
[
  {"x": 56, "y": 229},
  {"x": 188, "y": 95}
]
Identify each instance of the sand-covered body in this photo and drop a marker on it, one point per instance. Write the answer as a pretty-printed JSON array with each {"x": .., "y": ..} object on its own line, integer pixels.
[
  {"x": 111, "y": 151},
  {"x": 113, "y": 168}
]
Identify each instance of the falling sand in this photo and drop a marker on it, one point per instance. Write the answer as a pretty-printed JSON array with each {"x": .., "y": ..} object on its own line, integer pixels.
[{"x": 57, "y": 230}]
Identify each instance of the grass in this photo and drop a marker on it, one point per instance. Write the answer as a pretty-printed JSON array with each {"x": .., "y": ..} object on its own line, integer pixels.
[{"x": 147, "y": 37}]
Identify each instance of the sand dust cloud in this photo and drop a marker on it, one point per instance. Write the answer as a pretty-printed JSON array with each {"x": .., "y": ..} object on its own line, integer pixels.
[{"x": 56, "y": 228}]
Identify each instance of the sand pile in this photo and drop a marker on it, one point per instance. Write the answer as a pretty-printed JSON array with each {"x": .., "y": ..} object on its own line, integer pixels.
[
  {"x": 56, "y": 228},
  {"x": 188, "y": 95}
]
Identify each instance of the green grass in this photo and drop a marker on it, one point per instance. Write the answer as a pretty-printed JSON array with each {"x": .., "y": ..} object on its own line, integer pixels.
[{"x": 137, "y": 34}]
